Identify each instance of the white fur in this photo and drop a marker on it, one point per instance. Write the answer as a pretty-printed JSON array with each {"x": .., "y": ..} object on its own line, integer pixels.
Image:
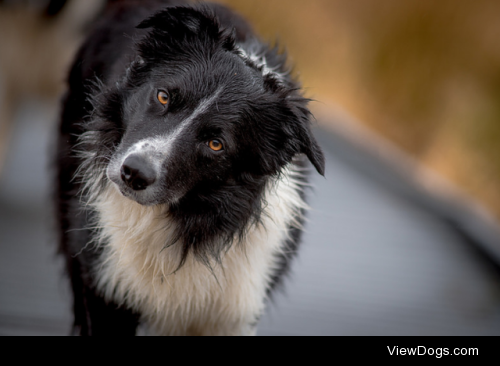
[
  {"x": 138, "y": 271},
  {"x": 261, "y": 62}
]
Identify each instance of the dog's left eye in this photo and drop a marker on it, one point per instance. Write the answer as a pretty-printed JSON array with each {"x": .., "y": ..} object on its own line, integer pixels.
[
  {"x": 163, "y": 97},
  {"x": 216, "y": 145}
]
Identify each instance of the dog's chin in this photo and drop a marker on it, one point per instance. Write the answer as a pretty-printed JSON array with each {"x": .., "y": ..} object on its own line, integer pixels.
[{"x": 147, "y": 198}]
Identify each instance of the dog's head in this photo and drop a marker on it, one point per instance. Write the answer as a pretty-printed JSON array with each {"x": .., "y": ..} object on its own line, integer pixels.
[
  {"x": 198, "y": 121},
  {"x": 195, "y": 109}
]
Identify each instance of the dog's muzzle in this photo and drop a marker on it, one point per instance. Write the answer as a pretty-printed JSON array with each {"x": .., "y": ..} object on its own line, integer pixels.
[{"x": 138, "y": 173}]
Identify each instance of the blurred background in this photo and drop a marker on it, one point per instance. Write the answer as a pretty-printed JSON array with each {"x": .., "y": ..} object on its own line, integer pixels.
[
  {"x": 424, "y": 74},
  {"x": 407, "y": 98}
]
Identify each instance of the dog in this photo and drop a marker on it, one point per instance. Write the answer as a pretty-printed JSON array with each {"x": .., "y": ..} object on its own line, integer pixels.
[{"x": 182, "y": 171}]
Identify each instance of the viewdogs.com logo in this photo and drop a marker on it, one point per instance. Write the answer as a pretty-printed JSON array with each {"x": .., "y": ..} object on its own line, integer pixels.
[{"x": 436, "y": 352}]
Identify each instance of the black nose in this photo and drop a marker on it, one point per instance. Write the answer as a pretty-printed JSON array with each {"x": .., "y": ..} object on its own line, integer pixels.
[{"x": 138, "y": 173}]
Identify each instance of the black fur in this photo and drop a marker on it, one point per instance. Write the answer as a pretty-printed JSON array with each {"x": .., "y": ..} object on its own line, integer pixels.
[{"x": 193, "y": 53}]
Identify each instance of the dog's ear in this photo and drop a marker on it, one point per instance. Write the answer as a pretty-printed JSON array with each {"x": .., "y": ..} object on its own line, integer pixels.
[
  {"x": 308, "y": 144},
  {"x": 185, "y": 22},
  {"x": 287, "y": 130},
  {"x": 171, "y": 29},
  {"x": 311, "y": 149},
  {"x": 295, "y": 116},
  {"x": 175, "y": 21}
]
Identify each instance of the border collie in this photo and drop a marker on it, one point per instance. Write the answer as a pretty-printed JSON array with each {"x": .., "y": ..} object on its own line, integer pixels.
[{"x": 181, "y": 171}]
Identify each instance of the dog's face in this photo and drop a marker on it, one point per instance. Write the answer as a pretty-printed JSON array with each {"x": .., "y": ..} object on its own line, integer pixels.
[
  {"x": 198, "y": 116},
  {"x": 189, "y": 124}
]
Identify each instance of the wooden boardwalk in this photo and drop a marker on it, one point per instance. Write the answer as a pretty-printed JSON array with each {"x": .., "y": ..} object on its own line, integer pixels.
[{"x": 379, "y": 258}]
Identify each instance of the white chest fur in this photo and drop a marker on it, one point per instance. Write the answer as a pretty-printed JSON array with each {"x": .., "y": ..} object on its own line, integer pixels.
[{"x": 136, "y": 269}]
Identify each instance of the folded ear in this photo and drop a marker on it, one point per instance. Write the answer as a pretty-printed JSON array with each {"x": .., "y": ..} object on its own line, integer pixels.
[
  {"x": 306, "y": 140},
  {"x": 312, "y": 150},
  {"x": 287, "y": 128}
]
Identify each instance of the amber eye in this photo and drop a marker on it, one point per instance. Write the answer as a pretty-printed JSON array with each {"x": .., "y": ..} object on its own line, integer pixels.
[
  {"x": 163, "y": 97},
  {"x": 215, "y": 145}
]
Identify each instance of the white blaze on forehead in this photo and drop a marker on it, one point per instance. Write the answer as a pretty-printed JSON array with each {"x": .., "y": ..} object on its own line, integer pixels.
[{"x": 163, "y": 144}]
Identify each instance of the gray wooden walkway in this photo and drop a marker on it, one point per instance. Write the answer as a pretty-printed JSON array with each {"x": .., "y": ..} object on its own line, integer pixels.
[{"x": 379, "y": 258}]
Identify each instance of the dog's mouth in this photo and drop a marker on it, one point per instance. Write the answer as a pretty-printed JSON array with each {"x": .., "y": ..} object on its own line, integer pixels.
[
  {"x": 153, "y": 195},
  {"x": 143, "y": 195},
  {"x": 140, "y": 198}
]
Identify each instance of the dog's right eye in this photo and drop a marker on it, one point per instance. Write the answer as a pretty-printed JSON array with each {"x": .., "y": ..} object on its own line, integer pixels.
[{"x": 163, "y": 98}]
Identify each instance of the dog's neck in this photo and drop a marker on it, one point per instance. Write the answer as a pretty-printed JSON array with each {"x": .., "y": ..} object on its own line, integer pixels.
[{"x": 139, "y": 271}]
